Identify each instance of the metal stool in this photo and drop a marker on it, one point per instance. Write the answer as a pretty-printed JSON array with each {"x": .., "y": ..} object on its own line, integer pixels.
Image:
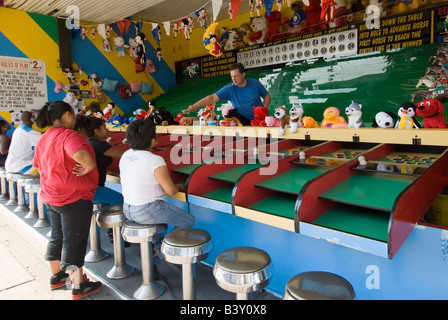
[
  {"x": 4, "y": 186},
  {"x": 32, "y": 187},
  {"x": 12, "y": 183},
  {"x": 187, "y": 247},
  {"x": 243, "y": 270},
  {"x": 145, "y": 234},
  {"x": 317, "y": 285},
  {"x": 113, "y": 217},
  {"x": 96, "y": 253},
  {"x": 21, "y": 183}
]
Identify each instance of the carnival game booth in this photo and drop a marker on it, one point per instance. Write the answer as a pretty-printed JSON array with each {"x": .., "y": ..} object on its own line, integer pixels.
[{"x": 339, "y": 200}]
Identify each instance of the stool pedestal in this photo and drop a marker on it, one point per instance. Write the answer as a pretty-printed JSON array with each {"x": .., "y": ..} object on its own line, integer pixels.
[
  {"x": 243, "y": 270},
  {"x": 95, "y": 253},
  {"x": 187, "y": 247},
  {"x": 146, "y": 235},
  {"x": 32, "y": 188},
  {"x": 113, "y": 217},
  {"x": 12, "y": 183},
  {"x": 318, "y": 285},
  {"x": 4, "y": 185},
  {"x": 21, "y": 183}
]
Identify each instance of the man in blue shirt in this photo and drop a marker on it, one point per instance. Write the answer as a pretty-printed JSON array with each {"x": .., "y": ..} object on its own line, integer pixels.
[{"x": 244, "y": 94}]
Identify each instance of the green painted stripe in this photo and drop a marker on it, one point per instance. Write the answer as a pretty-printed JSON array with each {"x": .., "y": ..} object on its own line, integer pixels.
[{"x": 47, "y": 24}]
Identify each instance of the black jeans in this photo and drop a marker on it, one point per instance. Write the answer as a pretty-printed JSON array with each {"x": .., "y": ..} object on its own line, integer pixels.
[{"x": 70, "y": 226}]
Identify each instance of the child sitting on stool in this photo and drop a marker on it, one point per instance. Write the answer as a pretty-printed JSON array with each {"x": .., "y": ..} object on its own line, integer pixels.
[{"x": 145, "y": 179}]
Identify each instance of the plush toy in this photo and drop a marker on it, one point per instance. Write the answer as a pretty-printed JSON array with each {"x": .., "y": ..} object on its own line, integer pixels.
[
  {"x": 109, "y": 111},
  {"x": 207, "y": 114},
  {"x": 244, "y": 34},
  {"x": 231, "y": 117},
  {"x": 260, "y": 27},
  {"x": 328, "y": 9},
  {"x": 188, "y": 121},
  {"x": 384, "y": 119},
  {"x": 298, "y": 19},
  {"x": 71, "y": 99},
  {"x": 150, "y": 67},
  {"x": 275, "y": 22},
  {"x": 85, "y": 111},
  {"x": 178, "y": 117},
  {"x": 272, "y": 121},
  {"x": 260, "y": 113},
  {"x": 96, "y": 81},
  {"x": 133, "y": 48},
  {"x": 332, "y": 119},
  {"x": 407, "y": 117},
  {"x": 313, "y": 12},
  {"x": 141, "y": 49},
  {"x": 120, "y": 46},
  {"x": 340, "y": 14},
  {"x": 58, "y": 86},
  {"x": 161, "y": 116},
  {"x": 282, "y": 115},
  {"x": 295, "y": 117},
  {"x": 309, "y": 122},
  {"x": 354, "y": 115},
  {"x": 233, "y": 40},
  {"x": 431, "y": 110}
]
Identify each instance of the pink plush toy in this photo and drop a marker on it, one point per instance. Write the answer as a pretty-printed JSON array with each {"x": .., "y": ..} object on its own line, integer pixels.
[
  {"x": 260, "y": 113},
  {"x": 272, "y": 121}
]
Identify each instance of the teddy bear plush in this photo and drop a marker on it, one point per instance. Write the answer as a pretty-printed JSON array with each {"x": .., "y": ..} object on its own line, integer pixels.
[
  {"x": 275, "y": 22},
  {"x": 333, "y": 119},
  {"x": 298, "y": 19},
  {"x": 259, "y": 26},
  {"x": 340, "y": 14},
  {"x": 431, "y": 110},
  {"x": 260, "y": 113}
]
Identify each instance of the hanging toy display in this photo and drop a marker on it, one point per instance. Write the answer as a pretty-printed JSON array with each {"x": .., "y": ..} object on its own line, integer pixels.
[
  {"x": 141, "y": 50},
  {"x": 210, "y": 41},
  {"x": 159, "y": 54},
  {"x": 184, "y": 26}
]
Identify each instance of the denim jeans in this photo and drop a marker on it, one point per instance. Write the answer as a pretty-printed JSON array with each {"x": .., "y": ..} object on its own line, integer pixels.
[
  {"x": 70, "y": 226},
  {"x": 159, "y": 212}
]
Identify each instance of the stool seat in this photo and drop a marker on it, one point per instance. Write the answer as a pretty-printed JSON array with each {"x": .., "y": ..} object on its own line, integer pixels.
[
  {"x": 111, "y": 216},
  {"x": 318, "y": 285},
  {"x": 136, "y": 233},
  {"x": 186, "y": 246},
  {"x": 243, "y": 269}
]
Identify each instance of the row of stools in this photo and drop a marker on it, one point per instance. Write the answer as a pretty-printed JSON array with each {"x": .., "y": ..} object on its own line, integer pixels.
[
  {"x": 13, "y": 189},
  {"x": 241, "y": 270}
]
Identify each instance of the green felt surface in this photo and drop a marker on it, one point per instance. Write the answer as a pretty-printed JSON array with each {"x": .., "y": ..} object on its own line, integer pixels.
[
  {"x": 292, "y": 180},
  {"x": 188, "y": 169},
  {"x": 233, "y": 174},
  {"x": 372, "y": 191},
  {"x": 355, "y": 220},
  {"x": 280, "y": 204},
  {"x": 223, "y": 194}
]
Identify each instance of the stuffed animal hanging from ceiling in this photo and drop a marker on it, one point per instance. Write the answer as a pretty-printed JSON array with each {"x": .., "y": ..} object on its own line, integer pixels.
[{"x": 184, "y": 27}]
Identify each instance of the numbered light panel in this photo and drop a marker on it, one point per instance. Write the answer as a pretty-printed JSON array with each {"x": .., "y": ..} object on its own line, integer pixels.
[{"x": 325, "y": 46}]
